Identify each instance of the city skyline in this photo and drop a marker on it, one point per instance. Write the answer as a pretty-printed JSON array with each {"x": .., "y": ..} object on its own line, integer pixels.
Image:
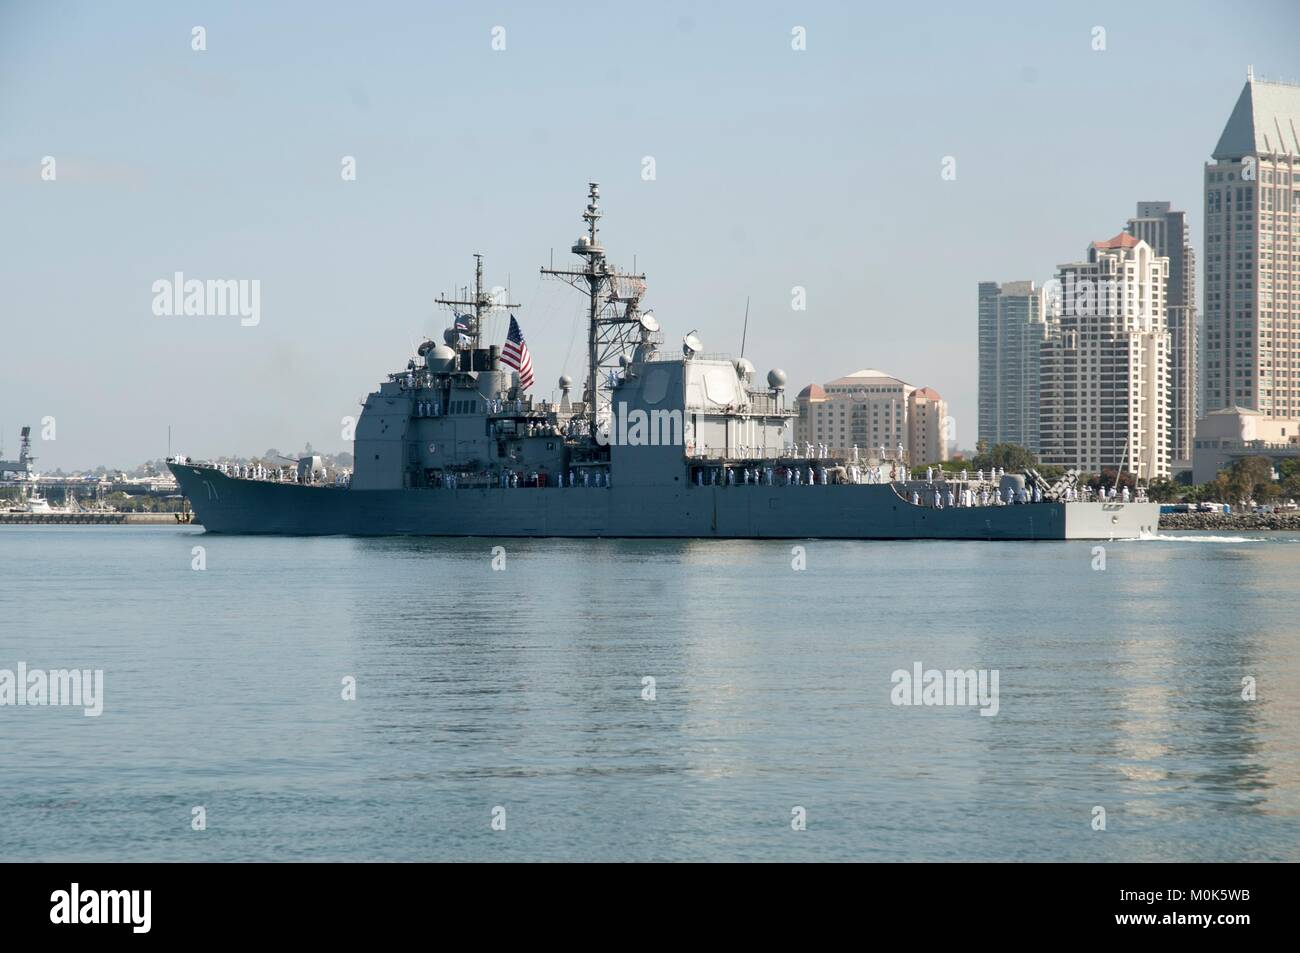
[{"x": 348, "y": 270}]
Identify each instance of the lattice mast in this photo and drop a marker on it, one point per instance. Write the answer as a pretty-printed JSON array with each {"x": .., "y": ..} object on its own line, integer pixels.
[
  {"x": 613, "y": 310},
  {"x": 481, "y": 302}
]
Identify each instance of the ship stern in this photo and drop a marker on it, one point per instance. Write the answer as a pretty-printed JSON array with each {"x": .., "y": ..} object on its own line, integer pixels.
[{"x": 1111, "y": 520}]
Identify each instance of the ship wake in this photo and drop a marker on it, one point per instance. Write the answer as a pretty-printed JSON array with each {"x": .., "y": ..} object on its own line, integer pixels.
[{"x": 1165, "y": 537}]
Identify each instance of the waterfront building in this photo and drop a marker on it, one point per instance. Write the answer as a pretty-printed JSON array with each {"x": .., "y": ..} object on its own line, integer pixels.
[
  {"x": 1230, "y": 433},
  {"x": 869, "y": 409},
  {"x": 1252, "y": 255},
  {"x": 1169, "y": 236},
  {"x": 927, "y": 427},
  {"x": 1013, "y": 324},
  {"x": 1105, "y": 376}
]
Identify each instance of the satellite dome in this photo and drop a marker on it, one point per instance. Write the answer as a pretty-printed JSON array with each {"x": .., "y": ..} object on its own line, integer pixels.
[
  {"x": 440, "y": 359},
  {"x": 744, "y": 368},
  {"x": 776, "y": 378},
  {"x": 565, "y": 382}
]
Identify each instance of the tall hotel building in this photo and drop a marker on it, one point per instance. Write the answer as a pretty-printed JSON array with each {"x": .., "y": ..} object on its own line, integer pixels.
[
  {"x": 1105, "y": 376},
  {"x": 1013, "y": 324},
  {"x": 1168, "y": 235},
  {"x": 1252, "y": 255}
]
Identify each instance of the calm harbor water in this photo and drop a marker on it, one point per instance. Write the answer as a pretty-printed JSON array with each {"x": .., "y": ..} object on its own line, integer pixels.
[{"x": 522, "y": 689}]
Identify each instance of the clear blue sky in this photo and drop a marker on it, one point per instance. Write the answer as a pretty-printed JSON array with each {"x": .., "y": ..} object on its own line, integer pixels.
[{"x": 775, "y": 168}]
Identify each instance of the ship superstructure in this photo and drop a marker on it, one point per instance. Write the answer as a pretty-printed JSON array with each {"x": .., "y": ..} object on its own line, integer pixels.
[{"x": 670, "y": 443}]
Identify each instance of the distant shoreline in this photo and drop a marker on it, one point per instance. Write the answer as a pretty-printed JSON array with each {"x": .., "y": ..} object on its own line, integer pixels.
[
  {"x": 1256, "y": 521},
  {"x": 91, "y": 518}
]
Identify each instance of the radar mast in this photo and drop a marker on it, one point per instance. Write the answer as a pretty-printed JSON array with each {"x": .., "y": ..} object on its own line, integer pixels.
[
  {"x": 613, "y": 310},
  {"x": 481, "y": 302}
]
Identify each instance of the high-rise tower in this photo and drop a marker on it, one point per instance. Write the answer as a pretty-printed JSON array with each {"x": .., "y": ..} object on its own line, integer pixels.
[
  {"x": 1167, "y": 233},
  {"x": 1252, "y": 255}
]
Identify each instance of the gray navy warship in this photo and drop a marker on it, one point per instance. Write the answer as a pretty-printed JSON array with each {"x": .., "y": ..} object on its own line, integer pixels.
[{"x": 662, "y": 444}]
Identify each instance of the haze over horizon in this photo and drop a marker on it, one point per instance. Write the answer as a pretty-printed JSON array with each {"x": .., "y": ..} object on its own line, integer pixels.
[{"x": 774, "y": 168}]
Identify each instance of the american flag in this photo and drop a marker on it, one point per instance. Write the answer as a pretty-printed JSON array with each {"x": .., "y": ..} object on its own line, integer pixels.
[{"x": 515, "y": 354}]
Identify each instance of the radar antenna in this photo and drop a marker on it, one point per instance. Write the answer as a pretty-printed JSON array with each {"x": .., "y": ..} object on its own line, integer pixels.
[
  {"x": 614, "y": 299},
  {"x": 482, "y": 302}
]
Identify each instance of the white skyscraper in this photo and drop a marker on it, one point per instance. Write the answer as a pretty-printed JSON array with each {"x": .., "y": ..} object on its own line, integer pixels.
[
  {"x": 1167, "y": 233},
  {"x": 1252, "y": 255},
  {"x": 1012, "y": 328},
  {"x": 1105, "y": 377}
]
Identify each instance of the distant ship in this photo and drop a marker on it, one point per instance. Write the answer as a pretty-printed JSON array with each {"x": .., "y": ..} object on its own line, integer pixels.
[
  {"x": 679, "y": 445},
  {"x": 36, "y": 504},
  {"x": 19, "y": 473}
]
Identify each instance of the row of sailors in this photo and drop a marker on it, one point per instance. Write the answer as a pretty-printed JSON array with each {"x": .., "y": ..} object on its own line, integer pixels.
[
  {"x": 817, "y": 451},
  {"x": 995, "y": 474},
  {"x": 494, "y": 405},
  {"x": 1087, "y": 494},
  {"x": 810, "y": 476},
  {"x": 795, "y": 475},
  {"x": 258, "y": 471},
  {"x": 810, "y": 451},
  {"x": 532, "y": 430},
  {"x": 971, "y": 497},
  {"x": 512, "y": 479},
  {"x": 411, "y": 380},
  {"x": 821, "y": 476},
  {"x": 764, "y": 476},
  {"x": 587, "y": 478},
  {"x": 820, "y": 451}
]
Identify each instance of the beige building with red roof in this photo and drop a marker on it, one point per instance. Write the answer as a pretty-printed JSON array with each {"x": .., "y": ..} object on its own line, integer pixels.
[
  {"x": 928, "y": 426},
  {"x": 873, "y": 412}
]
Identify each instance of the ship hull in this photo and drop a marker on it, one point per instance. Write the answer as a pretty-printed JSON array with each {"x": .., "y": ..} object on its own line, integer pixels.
[{"x": 874, "y": 511}]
